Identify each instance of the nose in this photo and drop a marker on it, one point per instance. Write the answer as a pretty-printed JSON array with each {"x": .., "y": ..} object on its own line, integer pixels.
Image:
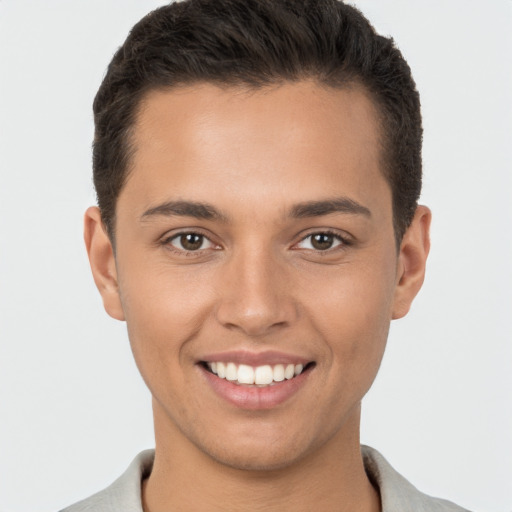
[{"x": 256, "y": 294}]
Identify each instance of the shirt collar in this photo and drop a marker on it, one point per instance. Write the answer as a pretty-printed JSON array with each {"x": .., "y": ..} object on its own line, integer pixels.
[{"x": 396, "y": 493}]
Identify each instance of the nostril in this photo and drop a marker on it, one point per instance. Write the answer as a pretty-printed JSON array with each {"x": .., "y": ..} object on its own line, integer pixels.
[{"x": 254, "y": 325}]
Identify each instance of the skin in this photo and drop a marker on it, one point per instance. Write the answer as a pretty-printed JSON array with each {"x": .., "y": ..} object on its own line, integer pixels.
[{"x": 257, "y": 283}]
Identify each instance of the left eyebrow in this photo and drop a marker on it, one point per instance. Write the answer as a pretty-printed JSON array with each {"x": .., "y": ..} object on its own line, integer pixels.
[{"x": 329, "y": 206}]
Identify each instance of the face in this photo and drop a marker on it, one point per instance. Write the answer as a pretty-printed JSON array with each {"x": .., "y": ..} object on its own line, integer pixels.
[{"x": 255, "y": 266}]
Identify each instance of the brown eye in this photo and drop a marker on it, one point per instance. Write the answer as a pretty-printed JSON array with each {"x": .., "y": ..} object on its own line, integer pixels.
[
  {"x": 190, "y": 242},
  {"x": 322, "y": 241}
]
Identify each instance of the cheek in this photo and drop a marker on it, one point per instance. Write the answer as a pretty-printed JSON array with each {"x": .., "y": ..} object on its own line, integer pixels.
[
  {"x": 353, "y": 315},
  {"x": 159, "y": 298},
  {"x": 164, "y": 314}
]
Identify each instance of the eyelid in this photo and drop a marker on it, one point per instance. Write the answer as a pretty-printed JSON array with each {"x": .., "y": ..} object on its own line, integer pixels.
[
  {"x": 166, "y": 240},
  {"x": 344, "y": 239},
  {"x": 204, "y": 241}
]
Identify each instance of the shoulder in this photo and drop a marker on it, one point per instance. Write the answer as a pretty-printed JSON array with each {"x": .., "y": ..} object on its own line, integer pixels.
[
  {"x": 124, "y": 494},
  {"x": 397, "y": 493}
]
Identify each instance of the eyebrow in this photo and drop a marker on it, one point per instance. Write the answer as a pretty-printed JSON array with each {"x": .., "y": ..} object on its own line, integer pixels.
[
  {"x": 205, "y": 211},
  {"x": 202, "y": 211},
  {"x": 330, "y": 206}
]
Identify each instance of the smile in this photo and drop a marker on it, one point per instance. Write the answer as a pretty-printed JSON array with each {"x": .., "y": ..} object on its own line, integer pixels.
[
  {"x": 255, "y": 381},
  {"x": 265, "y": 375}
]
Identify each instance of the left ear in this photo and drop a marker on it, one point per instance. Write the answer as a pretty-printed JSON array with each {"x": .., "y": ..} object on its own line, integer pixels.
[{"x": 411, "y": 261}]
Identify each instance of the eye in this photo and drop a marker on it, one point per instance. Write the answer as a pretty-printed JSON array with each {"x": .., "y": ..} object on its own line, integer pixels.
[
  {"x": 190, "y": 242},
  {"x": 320, "y": 241}
]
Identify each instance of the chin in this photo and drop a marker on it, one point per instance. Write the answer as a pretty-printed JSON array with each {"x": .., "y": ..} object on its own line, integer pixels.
[
  {"x": 262, "y": 453},
  {"x": 256, "y": 461}
]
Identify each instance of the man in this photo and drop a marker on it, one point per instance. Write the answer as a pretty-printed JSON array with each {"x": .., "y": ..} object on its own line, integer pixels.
[{"x": 258, "y": 166}]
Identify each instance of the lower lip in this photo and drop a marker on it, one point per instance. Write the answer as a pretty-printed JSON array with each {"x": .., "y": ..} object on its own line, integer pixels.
[{"x": 255, "y": 398}]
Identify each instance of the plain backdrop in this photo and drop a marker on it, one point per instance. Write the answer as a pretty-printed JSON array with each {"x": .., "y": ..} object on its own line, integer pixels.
[{"x": 73, "y": 409}]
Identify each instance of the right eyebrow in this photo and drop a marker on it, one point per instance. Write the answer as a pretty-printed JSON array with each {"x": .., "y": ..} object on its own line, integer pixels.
[{"x": 198, "y": 210}]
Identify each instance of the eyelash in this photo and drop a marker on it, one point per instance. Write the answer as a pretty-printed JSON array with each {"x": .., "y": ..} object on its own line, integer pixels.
[
  {"x": 344, "y": 242},
  {"x": 167, "y": 242}
]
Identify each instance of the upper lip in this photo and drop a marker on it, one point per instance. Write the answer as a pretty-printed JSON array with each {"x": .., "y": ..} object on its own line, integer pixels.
[{"x": 270, "y": 357}]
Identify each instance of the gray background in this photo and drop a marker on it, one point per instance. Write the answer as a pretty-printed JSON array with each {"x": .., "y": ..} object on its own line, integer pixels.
[{"x": 73, "y": 410}]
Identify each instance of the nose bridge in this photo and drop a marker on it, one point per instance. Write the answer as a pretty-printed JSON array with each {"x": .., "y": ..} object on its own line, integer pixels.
[{"x": 255, "y": 297}]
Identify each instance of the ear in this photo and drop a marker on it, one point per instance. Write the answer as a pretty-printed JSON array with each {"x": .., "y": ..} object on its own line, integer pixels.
[
  {"x": 102, "y": 260},
  {"x": 412, "y": 259}
]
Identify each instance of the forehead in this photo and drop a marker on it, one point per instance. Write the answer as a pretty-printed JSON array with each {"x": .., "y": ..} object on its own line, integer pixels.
[{"x": 300, "y": 137}]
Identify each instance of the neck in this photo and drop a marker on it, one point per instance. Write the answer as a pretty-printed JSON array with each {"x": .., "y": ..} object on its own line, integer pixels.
[{"x": 330, "y": 479}]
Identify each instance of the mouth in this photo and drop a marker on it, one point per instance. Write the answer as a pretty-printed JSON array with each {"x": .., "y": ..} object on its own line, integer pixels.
[
  {"x": 256, "y": 376},
  {"x": 256, "y": 380}
]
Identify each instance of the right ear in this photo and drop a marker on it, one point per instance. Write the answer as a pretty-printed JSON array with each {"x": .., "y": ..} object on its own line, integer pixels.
[{"x": 102, "y": 261}]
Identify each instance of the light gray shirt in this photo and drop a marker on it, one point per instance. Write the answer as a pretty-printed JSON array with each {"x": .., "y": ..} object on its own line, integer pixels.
[{"x": 396, "y": 493}]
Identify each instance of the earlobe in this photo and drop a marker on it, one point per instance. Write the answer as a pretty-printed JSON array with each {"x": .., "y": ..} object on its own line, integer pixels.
[
  {"x": 412, "y": 260},
  {"x": 102, "y": 261}
]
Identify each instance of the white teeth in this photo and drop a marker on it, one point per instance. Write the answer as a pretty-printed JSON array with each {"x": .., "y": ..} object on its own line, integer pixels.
[
  {"x": 263, "y": 375},
  {"x": 245, "y": 374},
  {"x": 289, "y": 371},
  {"x": 278, "y": 372},
  {"x": 231, "y": 371},
  {"x": 260, "y": 375},
  {"x": 221, "y": 370}
]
